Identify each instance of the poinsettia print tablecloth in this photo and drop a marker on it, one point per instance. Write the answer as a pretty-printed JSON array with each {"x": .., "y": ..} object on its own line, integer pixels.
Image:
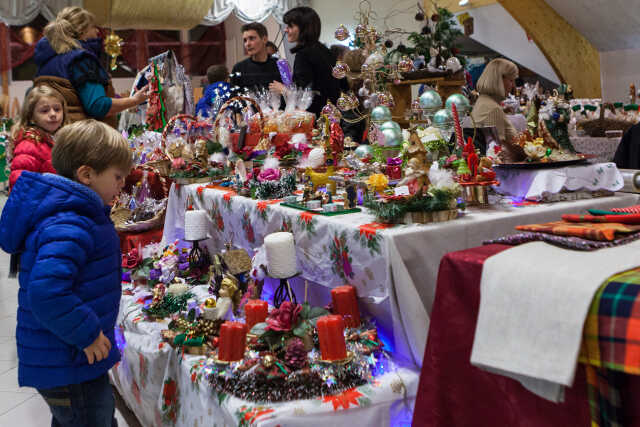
[
  {"x": 331, "y": 251},
  {"x": 164, "y": 389}
]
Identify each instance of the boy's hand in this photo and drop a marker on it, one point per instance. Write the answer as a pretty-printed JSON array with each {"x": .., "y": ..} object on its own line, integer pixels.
[{"x": 99, "y": 349}]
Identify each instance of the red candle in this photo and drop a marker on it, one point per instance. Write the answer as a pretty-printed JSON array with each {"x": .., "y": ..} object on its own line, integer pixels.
[
  {"x": 255, "y": 311},
  {"x": 331, "y": 336},
  {"x": 345, "y": 303},
  {"x": 233, "y": 337}
]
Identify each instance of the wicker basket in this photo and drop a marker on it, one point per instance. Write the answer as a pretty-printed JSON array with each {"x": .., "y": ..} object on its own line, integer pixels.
[
  {"x": 598, "y": 127},
  {"x": 120, "y": 214},
  {"x": 216, "y": 123}
]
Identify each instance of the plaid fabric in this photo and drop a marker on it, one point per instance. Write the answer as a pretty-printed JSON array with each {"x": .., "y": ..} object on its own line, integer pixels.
[
  {"x": 611, "y": 344},
  {"x": 630, "y": 209},
  {"x": 586, "y": 230},
  {"x": 604, "y": 397}
]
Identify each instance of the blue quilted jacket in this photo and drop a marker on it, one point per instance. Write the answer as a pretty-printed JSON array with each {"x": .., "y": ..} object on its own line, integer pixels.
[{"x": 69, "y": 278}]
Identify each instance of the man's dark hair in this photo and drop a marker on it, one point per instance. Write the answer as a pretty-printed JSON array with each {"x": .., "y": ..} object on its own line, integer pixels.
[
  {"x": 257, "y": 27},
  {"x": 338, "y": 51},
  {"x": 271, "y": 45},
  {"x": 307, "y": 21},
  {"x": 217, "y": 73}
]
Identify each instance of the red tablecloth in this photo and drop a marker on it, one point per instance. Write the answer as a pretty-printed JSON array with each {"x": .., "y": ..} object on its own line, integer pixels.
[
  {"x": 454, "y": 393},
  {"x": 129, "y": 241}
]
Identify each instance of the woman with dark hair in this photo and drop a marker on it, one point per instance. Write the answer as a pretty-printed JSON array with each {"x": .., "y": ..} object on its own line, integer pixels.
[{"x": 314, "y": 62}]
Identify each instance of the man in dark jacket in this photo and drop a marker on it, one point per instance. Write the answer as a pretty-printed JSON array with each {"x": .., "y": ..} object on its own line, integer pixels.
[
  {"x": 70, "y": 272},
  {"x": 260, "y": 68}
]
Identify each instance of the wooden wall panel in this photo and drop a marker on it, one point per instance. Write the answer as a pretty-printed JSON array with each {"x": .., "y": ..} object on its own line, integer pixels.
[{"x": 572, "y": 57}]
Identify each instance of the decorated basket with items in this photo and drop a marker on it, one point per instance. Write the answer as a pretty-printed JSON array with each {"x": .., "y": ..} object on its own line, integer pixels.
[
  {"x": 249, "y": 126},
  {"x": 189, "y": 146},
  {"x": 143, "y": 202}
]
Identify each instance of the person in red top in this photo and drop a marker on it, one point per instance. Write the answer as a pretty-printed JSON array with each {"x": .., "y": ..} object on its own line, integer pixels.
[{"x": 44, "y": 111}]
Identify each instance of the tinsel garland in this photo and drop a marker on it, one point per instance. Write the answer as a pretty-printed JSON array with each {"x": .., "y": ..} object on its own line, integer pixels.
[
  {"x": 170, "y": 304},
  {"x": 276, "y": 189},
  {"x": 257, "y": 384}
]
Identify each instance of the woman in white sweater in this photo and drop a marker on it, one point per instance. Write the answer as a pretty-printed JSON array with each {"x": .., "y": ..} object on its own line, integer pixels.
[{"x": 496, "y": 81}]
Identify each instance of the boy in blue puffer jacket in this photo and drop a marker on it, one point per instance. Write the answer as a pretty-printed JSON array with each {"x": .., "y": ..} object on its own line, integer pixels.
[{"x": 69, "y": 272}]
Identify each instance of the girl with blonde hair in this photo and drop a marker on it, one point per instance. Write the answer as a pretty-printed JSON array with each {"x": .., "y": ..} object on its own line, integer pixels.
[
  {"x": 44, "y": 111},
  {"x": 495, "y": 83},
  {"x": 68, "y": 59}
]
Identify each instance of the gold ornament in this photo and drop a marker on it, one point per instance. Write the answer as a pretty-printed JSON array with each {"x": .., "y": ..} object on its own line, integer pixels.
[
  {"x": 342, "y": 33},
  {"x": 113, "y": 48},
  {"x": 210, "y": 303},
  {"x": 268, "y": 361}
]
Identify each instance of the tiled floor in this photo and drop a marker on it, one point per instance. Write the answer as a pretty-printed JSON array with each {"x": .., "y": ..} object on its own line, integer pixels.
[{"x": 19, "y": 406}]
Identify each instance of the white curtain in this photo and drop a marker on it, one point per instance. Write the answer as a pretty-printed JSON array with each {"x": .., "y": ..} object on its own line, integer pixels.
[
  {"x": 250, "y": 10},
  {"x": 21, "y": 12}
]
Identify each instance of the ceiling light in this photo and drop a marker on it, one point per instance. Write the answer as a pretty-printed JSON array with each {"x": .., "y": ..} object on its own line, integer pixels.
[{"x": 464, "y": 2}]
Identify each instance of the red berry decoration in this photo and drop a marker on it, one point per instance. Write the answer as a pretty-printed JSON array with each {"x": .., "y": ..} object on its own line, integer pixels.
[{"x": 435, "y": 17}]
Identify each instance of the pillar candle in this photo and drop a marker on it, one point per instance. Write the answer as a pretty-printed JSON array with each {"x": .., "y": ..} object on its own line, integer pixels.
[
  {"x": 233, "y": 337},
  {"x": 331, "y": 337},
  {"x": 255, "y": 311},
  {"x": 345, "y": 303}
]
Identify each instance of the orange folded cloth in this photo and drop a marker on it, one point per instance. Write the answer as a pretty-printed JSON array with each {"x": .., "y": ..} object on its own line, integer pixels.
[{"x": 586, "y": 230}]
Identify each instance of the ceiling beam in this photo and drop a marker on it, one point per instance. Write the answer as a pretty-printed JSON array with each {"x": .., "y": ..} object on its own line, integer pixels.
[{"x": 572, "y": 56}]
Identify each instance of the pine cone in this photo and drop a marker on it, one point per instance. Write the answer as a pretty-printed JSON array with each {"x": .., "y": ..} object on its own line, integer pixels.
[{"x": 295, "y": 355}]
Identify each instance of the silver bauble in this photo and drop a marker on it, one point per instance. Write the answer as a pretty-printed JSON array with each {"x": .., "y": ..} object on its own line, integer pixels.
[
  {"x": 392, "y": 137},
  {"x": 443, "y": 119},
  {"x": 380, "y": 114},
  {"x": 364, "y": 152},
  {"x": 462, "y": 104},
  {"x": 391, "y": 125},
  {"x": 430, "y": 100}
]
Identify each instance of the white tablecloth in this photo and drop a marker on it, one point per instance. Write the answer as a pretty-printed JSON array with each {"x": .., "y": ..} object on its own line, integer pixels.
[
  {"x": 164, "y": 390},
  {"x": 394, "y": 270},
  {"x": 535, "y": 184}
]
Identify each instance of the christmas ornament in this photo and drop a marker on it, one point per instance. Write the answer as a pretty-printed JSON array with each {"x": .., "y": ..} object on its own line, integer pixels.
[
  {"x": 342, "y": 33},
  {"x": 210, "y": 303},
  {"x": 113, "y": 48},
  {"x": 430, "y": 101},
  {"x": 405, "y": 65},
  {"x": 392, "y": 137},
  {"x": 347, "y": 101},
  {"x": 268, "y": 360},
  {"x": 364, "y": 152},
  {"x": 388, "y": 44},
  {"x": 443, "y": 119},
  {"x": 380, "y": 114},
  {"x": 391, "y": 125},
  {"x": 331, "y": 111},
  {"x": 419, "y": 16},
  {"x": 340, "y": 70},
  {"x": 361, "y": 31},
  {"x": 462, "y": 103}
]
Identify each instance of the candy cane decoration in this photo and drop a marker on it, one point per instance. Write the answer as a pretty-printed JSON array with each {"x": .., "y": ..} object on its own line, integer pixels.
[{"x": 456, "y": 122}]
